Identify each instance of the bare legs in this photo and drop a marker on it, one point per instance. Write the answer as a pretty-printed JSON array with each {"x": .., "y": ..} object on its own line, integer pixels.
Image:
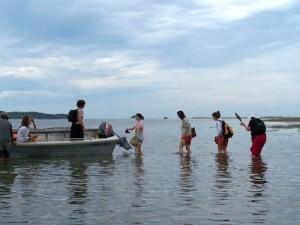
[
  {"x": 182, "y": 144},
  {"x": 188, "y": 149},
  {"x": 221, "y": 143},
  {"x": 138, "y": 149}
]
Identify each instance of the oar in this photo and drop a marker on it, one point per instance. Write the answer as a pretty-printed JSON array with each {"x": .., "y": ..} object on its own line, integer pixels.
[
  {"x": 239, "y": 118},
  {"x": 33, "y": 123}
]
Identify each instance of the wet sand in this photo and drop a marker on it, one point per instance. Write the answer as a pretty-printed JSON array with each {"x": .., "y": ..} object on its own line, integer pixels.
[{"x": 283, "y": 122}]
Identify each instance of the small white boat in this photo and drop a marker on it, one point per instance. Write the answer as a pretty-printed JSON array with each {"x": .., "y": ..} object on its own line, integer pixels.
[{"x": 55, "y": 142}]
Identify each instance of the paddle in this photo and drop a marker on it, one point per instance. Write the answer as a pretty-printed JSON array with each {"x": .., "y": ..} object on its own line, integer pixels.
[{"x": 239, "y": 118}]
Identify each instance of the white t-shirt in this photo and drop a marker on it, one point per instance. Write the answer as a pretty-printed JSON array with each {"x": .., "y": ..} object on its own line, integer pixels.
[
  {"x": 79, "y": 115},
  {"x": 185, "y": 127},
  {"x": 219, "y": 127},
  {"x": 23, "y": 134}
]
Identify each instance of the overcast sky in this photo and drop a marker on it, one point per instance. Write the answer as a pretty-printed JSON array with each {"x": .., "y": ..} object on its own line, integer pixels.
[{"x": 153, "y": 57}]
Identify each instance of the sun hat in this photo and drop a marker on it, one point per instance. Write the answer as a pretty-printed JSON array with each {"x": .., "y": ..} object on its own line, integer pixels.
[
  {"x": 4, "y": 115},
  {"x": 253, "y": 115}
]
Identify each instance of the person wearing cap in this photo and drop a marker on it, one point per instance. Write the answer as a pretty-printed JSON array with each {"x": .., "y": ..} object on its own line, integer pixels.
[
  {"x": 258, "y": 132},
  {"x": 139, "y": 133},
  {"x": 6, "y": 135}
]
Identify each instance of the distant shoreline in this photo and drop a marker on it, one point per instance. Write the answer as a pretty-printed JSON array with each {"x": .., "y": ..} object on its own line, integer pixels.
[
  {"x": 281, "y": 119},
  {"x": 35, "y": 115}
]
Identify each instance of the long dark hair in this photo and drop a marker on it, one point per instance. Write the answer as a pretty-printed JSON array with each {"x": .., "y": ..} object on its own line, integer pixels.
[
  {"x": 140, "y": 116},
  {"x": 216, "y": 114},
  {"x": 25, "y": 121},
  {"x": 181, "y": 114}
]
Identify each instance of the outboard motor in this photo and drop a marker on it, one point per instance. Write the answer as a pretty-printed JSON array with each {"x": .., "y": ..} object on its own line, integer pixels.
[
  {"x": 123, "y": 143},
  {"x": 105, "y": 130}
]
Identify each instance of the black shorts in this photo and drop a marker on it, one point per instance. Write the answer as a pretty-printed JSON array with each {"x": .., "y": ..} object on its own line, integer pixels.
[
  {"x": 4, "y": 149},
  {"x": 76, "y": 131}
]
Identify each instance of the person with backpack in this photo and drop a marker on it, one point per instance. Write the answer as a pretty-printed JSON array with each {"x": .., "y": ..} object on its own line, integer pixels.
[
  {"x": 186, "y": 133},
  {"x": 258, "y": 132},
  {"x": 224, "y": 132},
  {"x": 76, "y": 118}
]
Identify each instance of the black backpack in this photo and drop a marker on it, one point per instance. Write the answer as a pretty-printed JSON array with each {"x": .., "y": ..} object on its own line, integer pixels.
[
  {"x": 260, "y": 126},
  {"x": 194, "y": 133},
  {"x": 227, "y": 131},
  {"x": 72, "y": 116}
]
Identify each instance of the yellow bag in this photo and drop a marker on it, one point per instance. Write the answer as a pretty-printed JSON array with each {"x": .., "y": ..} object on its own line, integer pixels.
[{"x": 134, "y": 141}]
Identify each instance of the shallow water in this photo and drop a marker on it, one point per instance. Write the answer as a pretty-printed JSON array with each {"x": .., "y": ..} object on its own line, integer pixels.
[{"x": 159, "y": 187}]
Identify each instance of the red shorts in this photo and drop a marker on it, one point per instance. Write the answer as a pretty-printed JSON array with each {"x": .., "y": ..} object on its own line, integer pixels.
[
  {"x": 258, "y": 143},
  {"x": 187, "y": 139},
  {"x": 221, "y": 142}
]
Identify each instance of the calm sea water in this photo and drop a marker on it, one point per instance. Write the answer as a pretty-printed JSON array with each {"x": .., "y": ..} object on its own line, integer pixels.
[{"x": 159, "y": 187}]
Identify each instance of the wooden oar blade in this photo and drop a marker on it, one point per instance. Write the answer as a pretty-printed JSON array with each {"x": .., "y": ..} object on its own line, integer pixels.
[{"x": 239, "y": 118}]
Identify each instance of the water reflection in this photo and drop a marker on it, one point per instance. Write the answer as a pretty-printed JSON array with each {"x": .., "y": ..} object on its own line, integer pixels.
[
  {"x": 258, "y": 169},
  {"x": 139, "y": 181},
  {"x": 223, "y": 178},
  {"x": 258, "y": 185},
  {"x": 186, "y": 182},
  {"x": 84, "y": 174},
  {"x": 7, "y": 178},
  {"x": 78, "y": 182},
  {"x": 222, "y": 189}
]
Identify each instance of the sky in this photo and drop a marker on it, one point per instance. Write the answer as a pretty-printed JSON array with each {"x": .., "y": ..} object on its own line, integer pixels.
[{"x": 155, "y": 57}]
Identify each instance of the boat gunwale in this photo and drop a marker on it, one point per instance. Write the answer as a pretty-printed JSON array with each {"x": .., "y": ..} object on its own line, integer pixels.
[
  {"x": 54, "y": 130},
  {"x": 68, "y": 142}
]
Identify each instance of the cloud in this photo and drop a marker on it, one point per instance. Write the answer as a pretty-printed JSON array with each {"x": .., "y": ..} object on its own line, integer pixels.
[
  {"x": 270, "y": 78},
  {"x": 123, "y": 70},
  {"x": 24, "y": 94},
  {"x": 151, "y": 23},
  {"x": 232, "y": 10},
  {"x": 137, "y": 22},
  {"x": 29, "y": 72},
  {"x": 184, "y": 53}
]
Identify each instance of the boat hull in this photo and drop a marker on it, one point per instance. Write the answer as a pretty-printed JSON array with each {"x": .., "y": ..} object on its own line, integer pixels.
[{"x": 89, "y": 147}]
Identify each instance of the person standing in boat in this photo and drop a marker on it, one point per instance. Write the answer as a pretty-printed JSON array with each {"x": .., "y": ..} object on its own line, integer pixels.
[
  {"x": 23, "y": 134},
  {"x": 258, "y": 132},
  {"x": 77, "y": 128},
  {"x": 220, "y": 140},
  {"x": 138, "y": 138},
  {"x": 186, "y": 133},
  {"x": 6, "y": 135}
]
